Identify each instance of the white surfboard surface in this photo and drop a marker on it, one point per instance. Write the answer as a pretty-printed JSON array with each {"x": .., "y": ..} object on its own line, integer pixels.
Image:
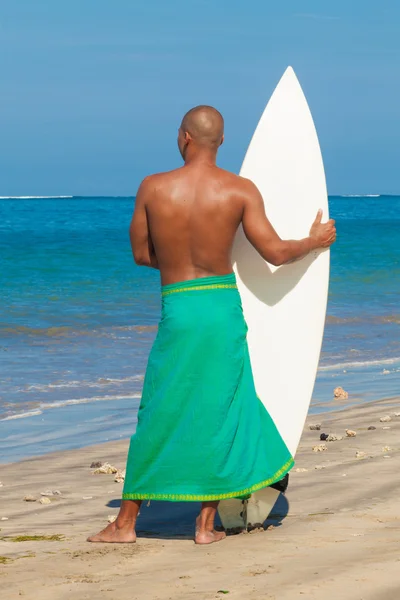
[{"x": 285, "y": 306}]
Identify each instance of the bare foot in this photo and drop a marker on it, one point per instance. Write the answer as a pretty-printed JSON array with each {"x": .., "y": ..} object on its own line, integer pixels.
[
  {"x": 208, "y": 537},
  {"x": 114, "y": 535}
]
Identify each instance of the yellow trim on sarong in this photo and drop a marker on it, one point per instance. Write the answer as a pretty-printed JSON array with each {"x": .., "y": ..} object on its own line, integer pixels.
[
  {"x": 209, "y": 497},
  {"x": 196, "y": 288}
]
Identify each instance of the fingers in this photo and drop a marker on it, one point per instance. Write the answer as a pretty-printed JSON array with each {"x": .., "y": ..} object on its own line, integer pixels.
[{"x": 318, "y": 218}]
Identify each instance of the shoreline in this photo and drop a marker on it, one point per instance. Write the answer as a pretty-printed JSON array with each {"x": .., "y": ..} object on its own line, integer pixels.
[
  {"x": 337, "y": 524},
  {"x": 122, "y": 428}
]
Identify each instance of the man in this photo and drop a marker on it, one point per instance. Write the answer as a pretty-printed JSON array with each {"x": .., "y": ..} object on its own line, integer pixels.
[{"x": 199, "y": 403}]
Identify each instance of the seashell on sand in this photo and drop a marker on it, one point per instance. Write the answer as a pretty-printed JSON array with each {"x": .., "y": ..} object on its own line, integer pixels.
[{"x": 45, "y": 500}]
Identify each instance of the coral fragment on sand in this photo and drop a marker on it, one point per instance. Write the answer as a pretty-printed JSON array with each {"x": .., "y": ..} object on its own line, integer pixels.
[
  {"x": 120, "y": 477},
  {"x": 385, "y": 419},
  {"x": 351, "y": 433},
  {"x": 360, "y": 454},
  {"x": 320, "y": 448},
  {"x": 340, "y": 394},
  {"x": 333, "y": 437},
  {"x": 105, "y": 469},
  {"x": 315, "y": 427}
]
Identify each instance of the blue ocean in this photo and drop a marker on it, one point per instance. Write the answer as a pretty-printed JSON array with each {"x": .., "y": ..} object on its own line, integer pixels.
[{"x": 78, "y": 318}]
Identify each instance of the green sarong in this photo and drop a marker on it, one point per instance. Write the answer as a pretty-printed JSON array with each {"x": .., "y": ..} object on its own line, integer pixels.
[{"x": 202, "y": 432}]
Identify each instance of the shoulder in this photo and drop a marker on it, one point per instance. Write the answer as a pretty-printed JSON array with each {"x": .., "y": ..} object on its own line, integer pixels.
[
  {"x": 157, "y": 180},
  {"x": 249, "y": 186},
  {"x": 242, "y": 184}
]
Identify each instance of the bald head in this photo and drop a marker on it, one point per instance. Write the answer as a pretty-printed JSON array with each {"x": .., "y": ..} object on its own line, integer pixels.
[{"x": 204, "y": 125}]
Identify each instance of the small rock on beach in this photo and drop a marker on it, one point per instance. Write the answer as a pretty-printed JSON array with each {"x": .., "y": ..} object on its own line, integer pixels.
[
  {"x": 30, "y": 498},
  {"x": 301, "y": 470},
  {"x": 96, "y": 464},
  {"x": 315, "y": 427},
  {"x": 340, "y": 394},
  {"x": 371, "y": 428},
  {"x": 360, "y": 454}
]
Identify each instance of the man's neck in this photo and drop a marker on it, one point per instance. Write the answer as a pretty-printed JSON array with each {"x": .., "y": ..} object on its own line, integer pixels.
[{"x": 200, "y": 156}]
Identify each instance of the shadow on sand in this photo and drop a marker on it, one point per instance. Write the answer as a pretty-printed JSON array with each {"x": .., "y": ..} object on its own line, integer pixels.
[{"x": 167, "y": 520}]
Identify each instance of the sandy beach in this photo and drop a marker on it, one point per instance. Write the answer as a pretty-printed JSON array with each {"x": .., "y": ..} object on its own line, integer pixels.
[{"x": 337, "y": 533}]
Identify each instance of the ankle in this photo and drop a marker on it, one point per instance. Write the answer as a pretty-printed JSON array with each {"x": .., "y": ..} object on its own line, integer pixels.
[
  {"x": 203, "y": 526},
  {"x": 123, "y": 523}
]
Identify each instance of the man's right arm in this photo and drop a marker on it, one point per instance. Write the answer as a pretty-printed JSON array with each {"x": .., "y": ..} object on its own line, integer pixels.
[
  {"x": 139, "y": 232},
  {"x": 261, "y": 234}
]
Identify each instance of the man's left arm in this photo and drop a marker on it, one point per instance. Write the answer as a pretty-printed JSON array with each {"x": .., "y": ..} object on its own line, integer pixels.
[{"x": 139, "y": 232}]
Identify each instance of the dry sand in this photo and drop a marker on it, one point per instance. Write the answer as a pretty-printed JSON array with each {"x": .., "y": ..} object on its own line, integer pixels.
[{"x": 340, "y": 538}]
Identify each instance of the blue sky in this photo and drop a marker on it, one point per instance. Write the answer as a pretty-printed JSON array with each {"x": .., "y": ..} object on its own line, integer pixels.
[{"x": 92, "y": 92}]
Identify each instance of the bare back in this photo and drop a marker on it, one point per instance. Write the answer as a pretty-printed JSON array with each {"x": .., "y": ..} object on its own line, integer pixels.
[
  {"x": 185, "y": 221},
  {"x": 193, "y": 214}
]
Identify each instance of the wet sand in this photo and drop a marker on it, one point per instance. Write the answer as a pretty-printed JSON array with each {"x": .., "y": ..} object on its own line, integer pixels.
[{"x": 336, "y": 534}]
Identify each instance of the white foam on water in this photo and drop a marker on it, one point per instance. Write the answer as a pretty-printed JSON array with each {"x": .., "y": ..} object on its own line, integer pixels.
[
  {"x": 360, "y": 364},
  {"x": 23, "y": 415},
  {"x": 71, "y": 401},
  {"x": 99, "y": 383}
]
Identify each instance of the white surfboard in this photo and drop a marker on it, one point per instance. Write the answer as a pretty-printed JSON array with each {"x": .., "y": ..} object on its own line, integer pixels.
[{"x": 284, "y": 306}]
